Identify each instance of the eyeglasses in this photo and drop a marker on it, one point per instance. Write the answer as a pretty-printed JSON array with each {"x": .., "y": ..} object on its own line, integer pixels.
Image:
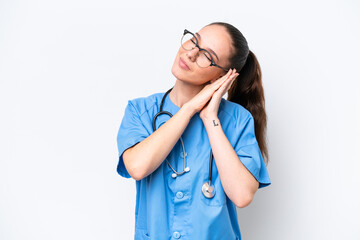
[{"x": 205, "y": 59}]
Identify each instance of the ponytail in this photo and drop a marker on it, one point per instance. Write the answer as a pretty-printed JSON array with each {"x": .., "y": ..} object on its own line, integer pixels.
[{"x": 247, "y": 89}]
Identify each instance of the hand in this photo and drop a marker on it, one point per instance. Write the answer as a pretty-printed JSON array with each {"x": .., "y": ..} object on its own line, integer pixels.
[
  {"x": 210, "y": 110},
  {"x": 202, "y": 98}
]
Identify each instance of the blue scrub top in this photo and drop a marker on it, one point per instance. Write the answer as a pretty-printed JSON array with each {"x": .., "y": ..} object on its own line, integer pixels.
[{"x": 168, "y": 208}]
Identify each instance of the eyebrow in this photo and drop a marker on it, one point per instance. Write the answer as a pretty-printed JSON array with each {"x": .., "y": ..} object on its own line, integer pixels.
[{"x": 212, "y": 51}]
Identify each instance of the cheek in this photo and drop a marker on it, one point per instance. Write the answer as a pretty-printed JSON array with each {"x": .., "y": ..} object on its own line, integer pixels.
[
  {"x": 204, "y": 75},
  {"x": 209, "y": 74}
]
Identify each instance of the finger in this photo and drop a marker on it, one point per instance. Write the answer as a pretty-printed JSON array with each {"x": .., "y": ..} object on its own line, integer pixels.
[
  {"x": 229, "y": 73},
  {"x": 218, "y": 83},
  {"x": 231, "y": 79},
  {"x": 228, "y": 83},
  {"x": 226, "y": 86},
  {"x": 223, "y": 78}
]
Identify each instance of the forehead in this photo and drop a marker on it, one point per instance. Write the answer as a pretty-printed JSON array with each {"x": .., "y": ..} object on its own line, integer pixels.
[{"x": 218, "y": 39}]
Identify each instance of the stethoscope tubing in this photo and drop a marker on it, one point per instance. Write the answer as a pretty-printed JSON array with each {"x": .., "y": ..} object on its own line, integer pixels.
[{"x": 207, "y": 189}]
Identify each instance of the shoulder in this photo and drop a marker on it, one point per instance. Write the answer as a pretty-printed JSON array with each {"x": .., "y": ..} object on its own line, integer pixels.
[
  {"x": 234, "y": 110},
  {"x": 146, "y": 103}
]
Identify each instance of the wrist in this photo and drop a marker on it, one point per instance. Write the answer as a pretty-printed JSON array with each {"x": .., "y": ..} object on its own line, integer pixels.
[
  {"x": 210, "y": 120},
  {"x": 189, "y": 109}
]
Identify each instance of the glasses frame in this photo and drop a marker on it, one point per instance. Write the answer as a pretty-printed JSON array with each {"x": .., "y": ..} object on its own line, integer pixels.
[{"x": 202, "y": 49}]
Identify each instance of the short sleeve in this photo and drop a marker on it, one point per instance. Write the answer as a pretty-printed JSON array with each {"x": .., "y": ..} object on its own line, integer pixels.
[
  {"x": 248, "y": 150},
  {"x": 131, "y": 132}
]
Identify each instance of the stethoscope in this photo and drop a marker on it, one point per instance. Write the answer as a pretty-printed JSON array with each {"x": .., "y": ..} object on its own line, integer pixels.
[{"x": 207, "y": 188}]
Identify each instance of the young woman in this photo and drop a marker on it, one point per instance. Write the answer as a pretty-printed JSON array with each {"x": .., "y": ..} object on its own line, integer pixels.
[{"x": 202, "y": 156}]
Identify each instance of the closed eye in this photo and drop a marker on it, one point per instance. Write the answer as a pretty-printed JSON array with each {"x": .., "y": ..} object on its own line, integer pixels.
[{"x": 207, "y": 56}]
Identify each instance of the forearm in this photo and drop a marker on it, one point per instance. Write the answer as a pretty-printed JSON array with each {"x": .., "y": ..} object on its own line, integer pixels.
[
  {"x": 146, "y": 156},
  {"x": 238, "y": 183}
]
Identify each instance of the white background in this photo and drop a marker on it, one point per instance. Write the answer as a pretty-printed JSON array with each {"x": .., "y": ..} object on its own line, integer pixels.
[{"x": 67, "y": 69}]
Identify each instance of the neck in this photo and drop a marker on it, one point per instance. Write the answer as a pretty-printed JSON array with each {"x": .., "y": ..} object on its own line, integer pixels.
[{"x": 183, "y": 92}]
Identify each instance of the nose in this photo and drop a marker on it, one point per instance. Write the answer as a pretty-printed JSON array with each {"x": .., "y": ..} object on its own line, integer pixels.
[{"x": 193, "y": 53}]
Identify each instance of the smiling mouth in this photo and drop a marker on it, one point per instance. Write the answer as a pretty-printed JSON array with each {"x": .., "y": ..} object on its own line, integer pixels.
[{"x": 183, "y": 64}]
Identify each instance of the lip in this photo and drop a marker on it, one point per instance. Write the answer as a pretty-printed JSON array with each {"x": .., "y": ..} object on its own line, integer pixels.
[{"x": 183, "y": 64}]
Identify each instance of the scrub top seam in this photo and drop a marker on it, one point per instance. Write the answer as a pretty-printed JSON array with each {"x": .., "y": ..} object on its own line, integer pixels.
[
  {"x": 238, "y": 106},
  {"x": 256, "y": 143},
  {"x": 147, "y": 108}
]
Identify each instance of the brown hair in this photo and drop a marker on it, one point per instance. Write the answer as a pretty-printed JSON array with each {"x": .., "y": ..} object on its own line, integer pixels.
[{"x": 247, "y": 89}]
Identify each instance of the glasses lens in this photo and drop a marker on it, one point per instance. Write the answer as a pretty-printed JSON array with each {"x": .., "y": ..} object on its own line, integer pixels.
[
  {"x": 188, "y": 41},
  {"x": 204, "y": 59}
]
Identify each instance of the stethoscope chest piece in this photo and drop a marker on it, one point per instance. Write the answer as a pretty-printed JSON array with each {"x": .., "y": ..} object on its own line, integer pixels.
[{"x": 208, "y": 190}]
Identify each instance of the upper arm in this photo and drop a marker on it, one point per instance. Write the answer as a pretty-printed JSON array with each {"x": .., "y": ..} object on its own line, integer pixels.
[
  {"x": 247, "y": 148},
  {"x": 131, "y": 132}
]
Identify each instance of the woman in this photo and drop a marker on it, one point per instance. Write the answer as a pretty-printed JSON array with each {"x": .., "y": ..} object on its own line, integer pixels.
[{"x": 194, "y": 193}]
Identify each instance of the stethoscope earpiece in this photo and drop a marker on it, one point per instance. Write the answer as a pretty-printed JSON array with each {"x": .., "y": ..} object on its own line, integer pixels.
[{"x": 175, "y": 174}]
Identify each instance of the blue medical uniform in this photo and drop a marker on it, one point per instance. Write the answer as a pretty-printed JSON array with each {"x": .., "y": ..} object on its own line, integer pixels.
[{"x": 168, "y": 208}]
